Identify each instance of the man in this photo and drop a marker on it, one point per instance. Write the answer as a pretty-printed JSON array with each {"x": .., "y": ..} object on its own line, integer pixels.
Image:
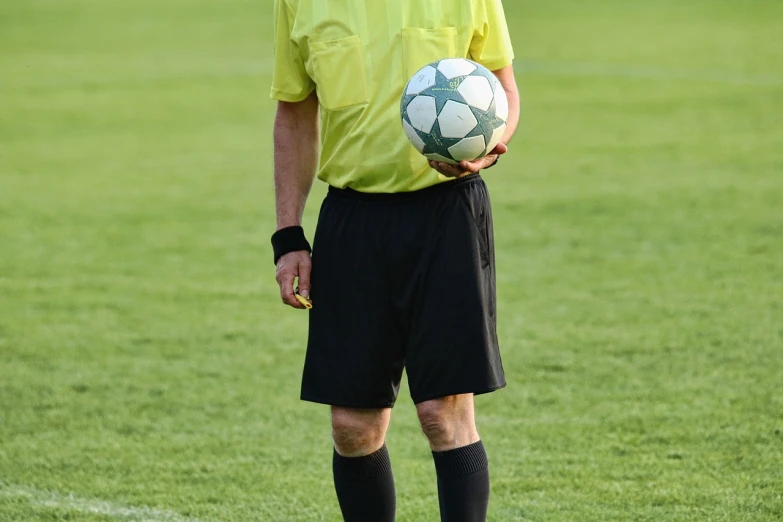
[{"x": 403, "y": 272}]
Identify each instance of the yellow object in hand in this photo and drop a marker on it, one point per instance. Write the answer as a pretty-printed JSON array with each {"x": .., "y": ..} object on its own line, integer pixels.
[{"x": 307, "y": 304}]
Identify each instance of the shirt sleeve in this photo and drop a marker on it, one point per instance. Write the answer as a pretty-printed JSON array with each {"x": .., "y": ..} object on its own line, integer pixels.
[
  {"x": 491, "y": 43},
  {"x": 290, "y": 81}
]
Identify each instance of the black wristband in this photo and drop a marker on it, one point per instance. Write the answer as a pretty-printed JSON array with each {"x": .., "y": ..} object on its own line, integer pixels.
[{"x": 289, "y": 239}]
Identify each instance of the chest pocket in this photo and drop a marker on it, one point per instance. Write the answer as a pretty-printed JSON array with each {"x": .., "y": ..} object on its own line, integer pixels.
[
  {"x": 423, "y": 46},
  {"x": 339, "y": 73}
]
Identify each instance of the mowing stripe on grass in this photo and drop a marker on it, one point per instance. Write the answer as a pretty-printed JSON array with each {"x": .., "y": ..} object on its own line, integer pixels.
[
  {"x": 264, "y": 67},
  {"x": 604, "y": 70},
  {"x": 53, "y": 500}
]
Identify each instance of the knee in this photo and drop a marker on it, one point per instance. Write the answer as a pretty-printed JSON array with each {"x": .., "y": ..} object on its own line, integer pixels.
[
  {"x": 448, "y": 422},
  {"x": 357, "y": 433},
  {"x": 436, "y": 421}
]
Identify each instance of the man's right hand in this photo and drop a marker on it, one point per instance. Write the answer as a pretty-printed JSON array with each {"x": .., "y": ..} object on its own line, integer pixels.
[{"x": 289, "y": 267}]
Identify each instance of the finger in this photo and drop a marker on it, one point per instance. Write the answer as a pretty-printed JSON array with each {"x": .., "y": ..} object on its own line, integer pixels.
[
  {"x": 287, "y": 290},
  {"x": 501, "y": 148},
  {"x": 470, "y": 166},
  {"x": 447, "y": 169},
  {"x": 436, "y": 166},
  {"x": 450, "y": 170},
  {"x": 304, "y": 278}
]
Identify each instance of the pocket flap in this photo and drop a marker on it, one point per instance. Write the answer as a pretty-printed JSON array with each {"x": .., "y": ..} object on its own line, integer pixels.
[
  {"x": 339, "y": 72},
  {"x": 422, "y": 46}
]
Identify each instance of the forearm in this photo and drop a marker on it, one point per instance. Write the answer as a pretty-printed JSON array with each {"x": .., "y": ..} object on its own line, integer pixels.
[
  {"x": 296, "y": 158},
  {"x": 509, "y": 83}
]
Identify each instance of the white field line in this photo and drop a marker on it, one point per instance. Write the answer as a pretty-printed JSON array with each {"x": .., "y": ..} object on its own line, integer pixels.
[{"x": 51, "y": 499}]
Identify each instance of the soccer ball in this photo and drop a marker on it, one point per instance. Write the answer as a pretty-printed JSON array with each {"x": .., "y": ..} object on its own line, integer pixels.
[{"x": 454, "y": 110}]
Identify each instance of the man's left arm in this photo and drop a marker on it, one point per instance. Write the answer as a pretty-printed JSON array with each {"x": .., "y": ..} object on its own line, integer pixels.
[{"x": 509, "y": 83}]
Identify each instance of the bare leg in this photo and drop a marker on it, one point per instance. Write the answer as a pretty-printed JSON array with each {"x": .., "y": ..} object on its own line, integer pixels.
[
  {"x": 363, "y": 478},
  {"x": 460, "y": 460}
]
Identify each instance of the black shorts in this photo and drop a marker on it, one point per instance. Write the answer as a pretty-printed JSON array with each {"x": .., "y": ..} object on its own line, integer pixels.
[{"x": 403, "y": 281}]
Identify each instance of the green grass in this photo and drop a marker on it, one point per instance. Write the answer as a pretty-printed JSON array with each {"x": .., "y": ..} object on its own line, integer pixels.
[{"x": 148, "y": 372}]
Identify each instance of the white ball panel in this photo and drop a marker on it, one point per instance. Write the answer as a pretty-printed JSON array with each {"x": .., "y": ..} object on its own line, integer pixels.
[
  {"x": 438, "y": 157},
  {"x": 414, "y": 138},
  {"x": 456, "y": 120},
  {"x": 453, "y": 67},
  {"x": 477, "y": 91},
  {"x": 495, "y": 139},
  {"x": 422, "y": 112},
  {"x": 501, "y": 103},
  {"x": 468, "y": 149},
  {"x": 424, "y": 79}
]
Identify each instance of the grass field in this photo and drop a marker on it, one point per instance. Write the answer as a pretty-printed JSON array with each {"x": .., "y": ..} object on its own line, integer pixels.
[{"x": 148, "y": 371}]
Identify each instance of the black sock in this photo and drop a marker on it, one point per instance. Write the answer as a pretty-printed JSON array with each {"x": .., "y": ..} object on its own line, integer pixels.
[
  {"x": 463, "y": 483},
  {"x": 365, "y": 487}
]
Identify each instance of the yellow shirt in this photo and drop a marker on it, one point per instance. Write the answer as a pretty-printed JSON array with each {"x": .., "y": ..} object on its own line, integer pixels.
[{"x": 358, "y": 55}]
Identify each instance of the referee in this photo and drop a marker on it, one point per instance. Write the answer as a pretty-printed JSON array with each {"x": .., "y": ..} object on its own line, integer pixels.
[{"x": 402, "y": 269}]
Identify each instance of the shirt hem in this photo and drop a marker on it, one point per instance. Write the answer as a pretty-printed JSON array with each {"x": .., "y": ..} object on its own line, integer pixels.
[
  {"x": 290, "y": 97},
  {"x": 497, "y": 64}
]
